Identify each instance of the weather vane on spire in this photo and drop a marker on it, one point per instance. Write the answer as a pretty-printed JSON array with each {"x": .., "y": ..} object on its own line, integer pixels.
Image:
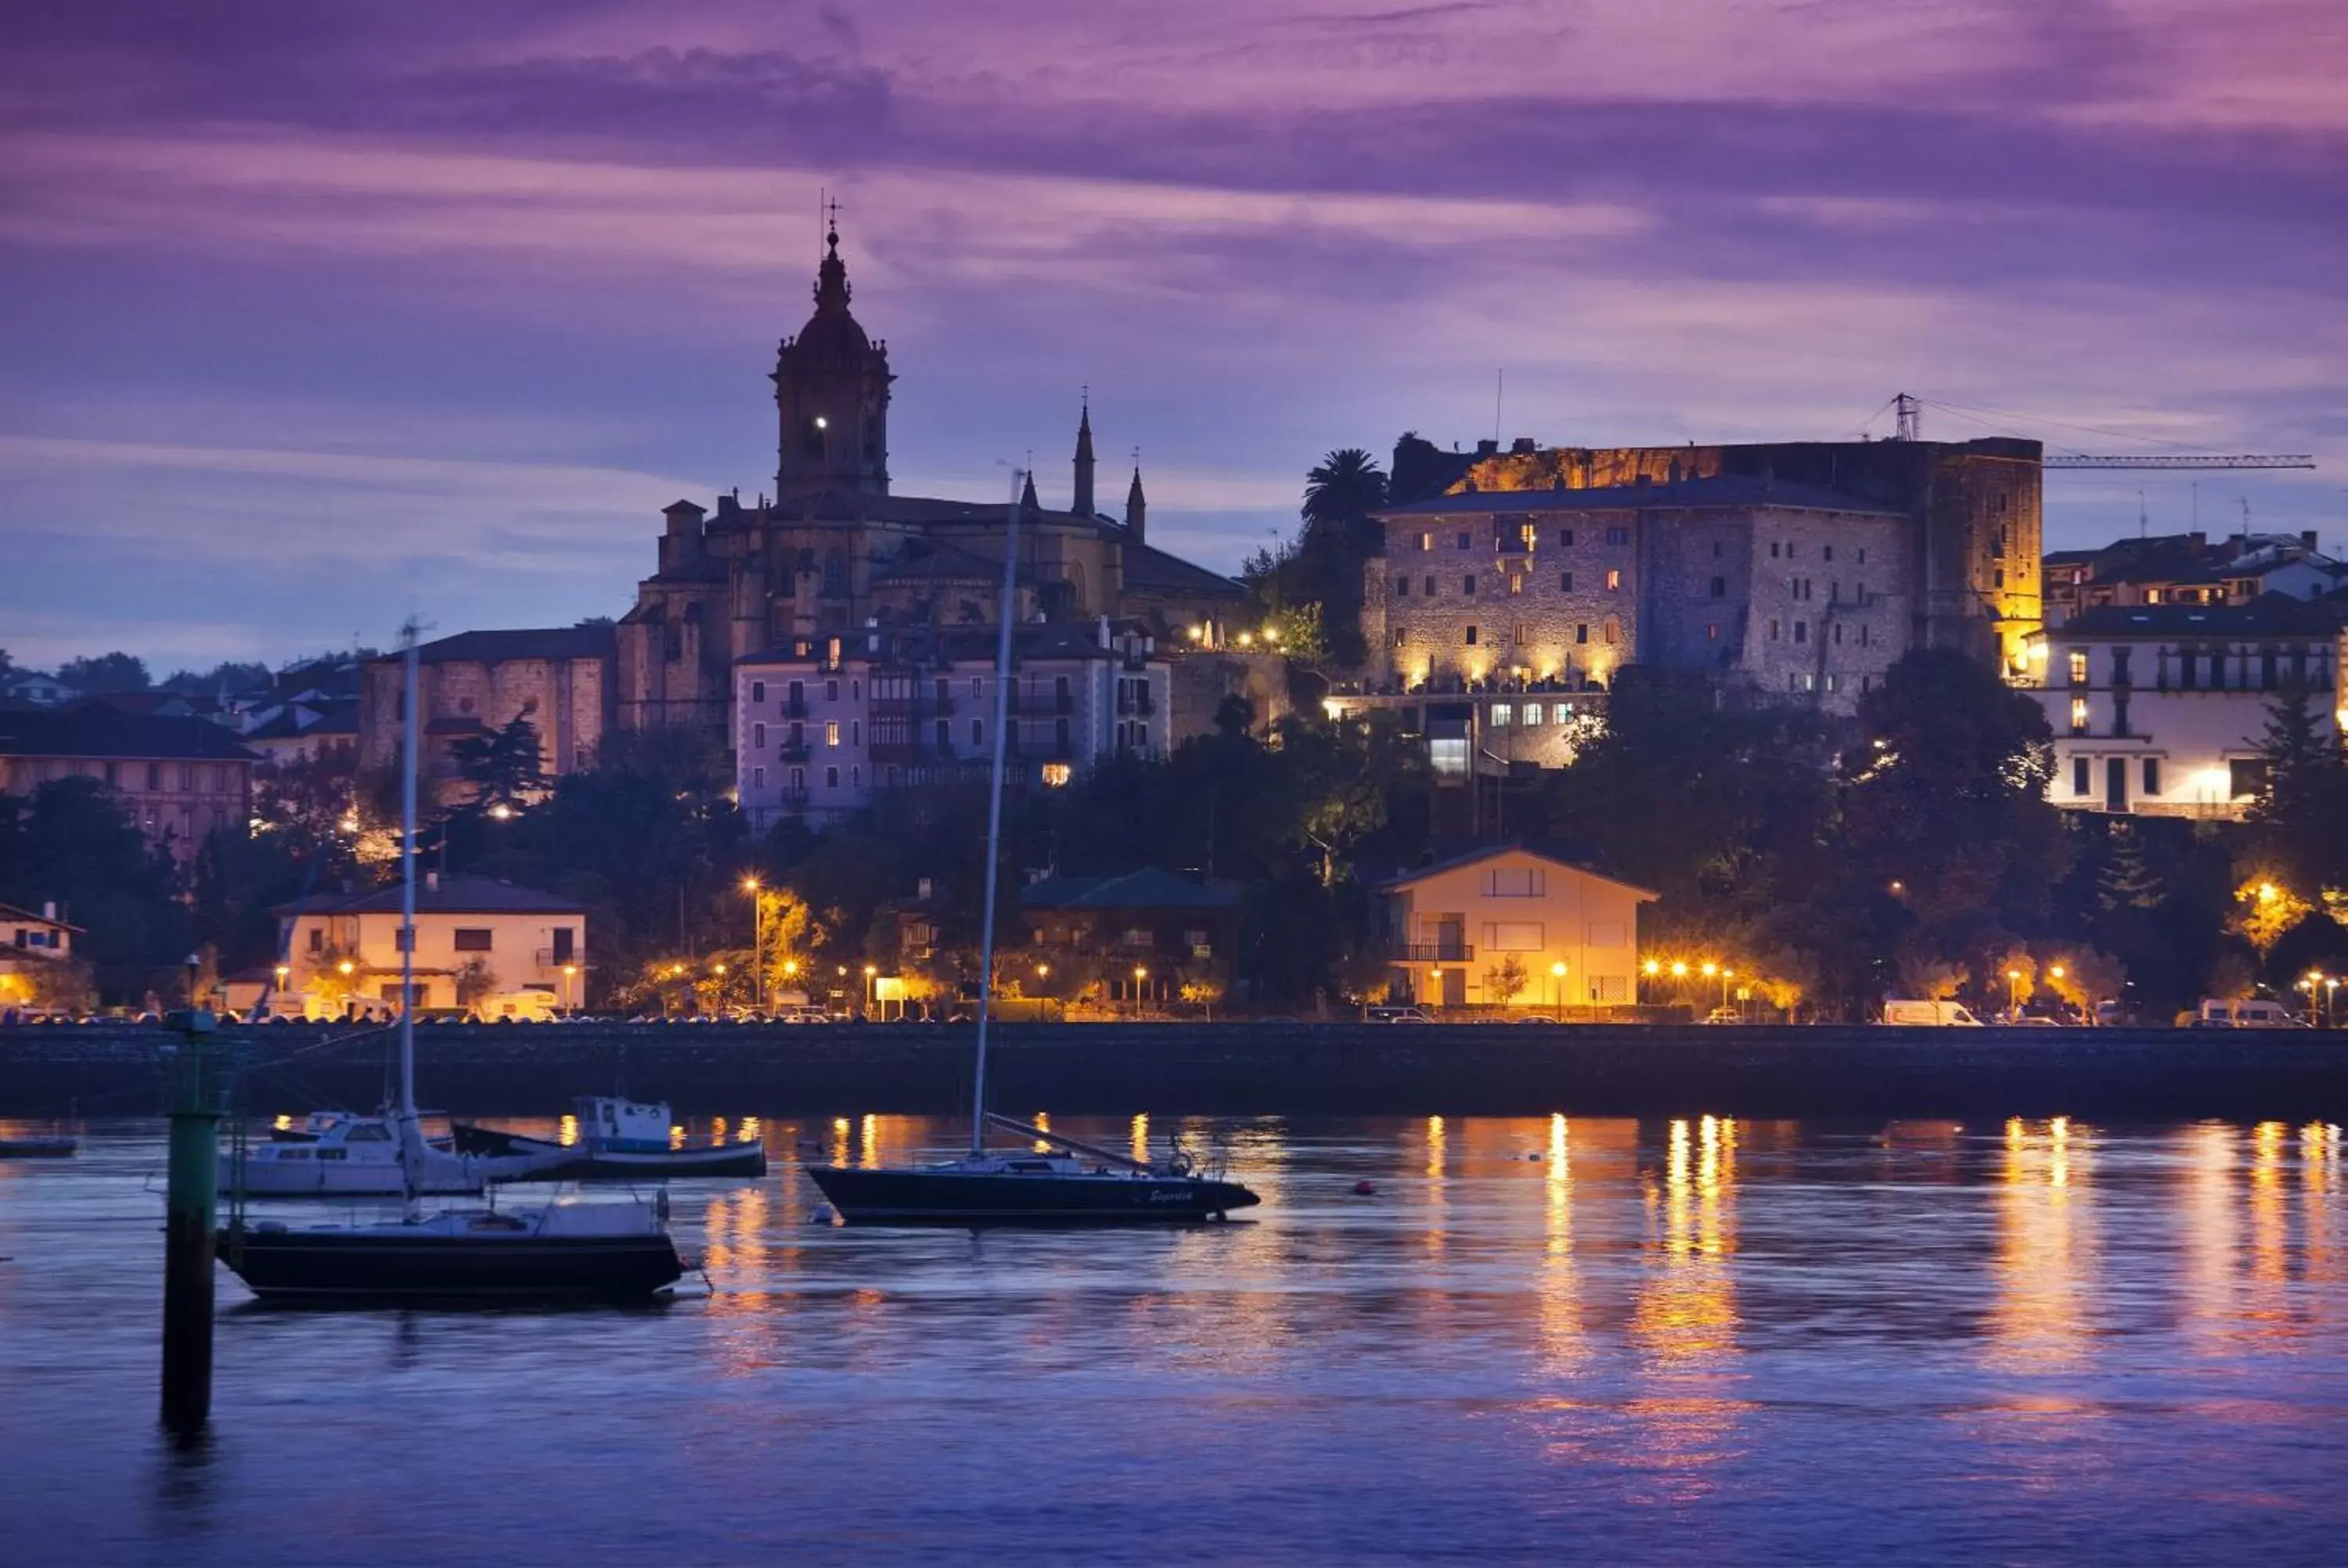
[{"x": 831, "y": 218}]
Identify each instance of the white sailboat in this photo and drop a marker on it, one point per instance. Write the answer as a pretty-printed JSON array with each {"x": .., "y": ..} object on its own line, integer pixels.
[{"x": 598, "y": 1250}]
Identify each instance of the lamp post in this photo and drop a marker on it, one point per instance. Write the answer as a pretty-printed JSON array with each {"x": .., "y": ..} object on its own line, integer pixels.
[
  {"x": 2314, "y": 978},
  {"x": 869, "y": 971},
  {"x": 1557, "y": 986},
  {"x": 1140, "y": 975},
  {"x": 2331, "y": 984},
  {"x": 570, "y": 991},
  {"x": 2012, "y": 994},
  {"x": 757, "y": 940},
  {"x": 1651, "y": 969}
]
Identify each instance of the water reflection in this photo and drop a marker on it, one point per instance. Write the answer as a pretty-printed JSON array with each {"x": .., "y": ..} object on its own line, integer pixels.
[
  {"x": 1683, "y": 1326},
  {"x": 2045, "y": 1260}
]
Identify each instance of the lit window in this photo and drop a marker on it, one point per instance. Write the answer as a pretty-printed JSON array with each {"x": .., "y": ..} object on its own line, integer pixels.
[
  {"x": 1712, "y": 631},
  {"x": 1502, "y": 714},
  {"x": 1426, "y": 541},
  {"x": 831, "y": 732},
  {"x": 1615, "y": 580},
  {"x": 1055, "y": 774},
  {"x": 1516, "y": 582},
  {"x": 1613, "y": 631},
  {"x": 1402, "y": 637},
  {"x": 1533, "y": 713},
  {"x": 2079, "y": 663},
  {"x": 2078, "y": 715}
]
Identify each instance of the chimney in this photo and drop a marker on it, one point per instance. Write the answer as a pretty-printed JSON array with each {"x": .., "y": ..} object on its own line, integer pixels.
[
  {"x": 923, "y": 888},
  {"x": 1487, "y": 448},
  {"x": 1522, "y": 447},
  {"x": 48, "y": 909},
  {"x": 2307, "y": 537},
  {"x": 1104, "y": 631},
  {"x": 432, "y": 882}
]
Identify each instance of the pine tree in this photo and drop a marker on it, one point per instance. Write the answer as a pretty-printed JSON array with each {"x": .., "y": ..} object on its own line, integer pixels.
[{"x": 2125, "y": 881}]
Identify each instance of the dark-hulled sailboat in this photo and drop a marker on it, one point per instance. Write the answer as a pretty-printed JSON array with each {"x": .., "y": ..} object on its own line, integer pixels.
[
  {"x": 1070, "y": 1182},
  {"x": 601, "y": 1250}
]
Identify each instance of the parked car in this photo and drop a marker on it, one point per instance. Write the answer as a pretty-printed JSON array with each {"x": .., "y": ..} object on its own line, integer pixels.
[
  {"x": 1724, "y": 1015},
  {"x": 1537, "y": 1017},
  {"x": 1396, "y": 1015},
  {"x": 1914, "y": 1012}
]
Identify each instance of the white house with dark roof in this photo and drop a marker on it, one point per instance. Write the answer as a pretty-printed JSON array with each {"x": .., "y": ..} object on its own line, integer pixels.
[
  {"x": 2162, "y": 709},
  {"x": 1570, "y": 932},
  {"x": 486, "y": 945}
]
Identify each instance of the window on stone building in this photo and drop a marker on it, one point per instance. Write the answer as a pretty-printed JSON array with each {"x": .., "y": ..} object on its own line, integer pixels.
[
  {"x": 1712, "y": 631},
  {"x": 1809, "y": 683},
  {"x": 1467, "y": 585},
  {"x": 856, "y": 777},
  {"x": 831, "y": 690},
  {"x": 795, "y": 735},
  {"x": 855, "y": 732},
  {"x": 2078, "y": 715},
  {"x": 1467, "y": 540},
  {"x": 978, "y": 731},
  {"x": 1618, "y": 536},
  {"x": 1581, "y": 632},
  {"x": 1826, "y": 551},
  {"x": 1502, "y": 714},
  {"x": 1402, "y": 588},
  {"x": 757, "y": 778},
  {"x": 1862, "y": 555},
  {"x": 1720, "y": 588},
  {"x": 1801, "y": 631},
  {"x": 1715, "y": 550},
  {"x": 1565, "y": 539},
  {"x": 1773, "y": 550},
  {"x": 1402, "y": 637},
  {"x": 757, "y": 690},
  {"x": 799, "y": 780},
  {"x": 1837, "y": 633},
  {"x": 1613, "y": 631},
  {"x": 1862, "y": 634},
  {"x": 1565, "y": 583},
  {"x": 1834, "y": 592},
  {"x": 831, "y": 778},
  {"x": 1516, "y": 582},
  {"x": 1774, "y": 626},
  {"x": 1614, "y": 579},
  {"x": 1532, "y": 713},
  {"x": 1471, "y": 637},
  {"x": 758, "y": 736},
  {"x": 1425, "y": 542},
  {"x": 945, "y": 733}
]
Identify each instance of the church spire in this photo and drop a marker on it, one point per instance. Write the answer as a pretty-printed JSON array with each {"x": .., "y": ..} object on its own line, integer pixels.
[
  {"x": 831, "y": 290},
  {"x": 1084, "y": 503},
  {"x": 1027, "y": 501},
  {"x": 1137, "y": 508}
]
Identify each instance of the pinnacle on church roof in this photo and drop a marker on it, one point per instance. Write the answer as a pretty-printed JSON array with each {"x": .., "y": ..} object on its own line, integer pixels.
[
  {"x": 831, "y": 289},
  {"x": 1027, "y": 501},
  {"x": 1135, "y": 493}
]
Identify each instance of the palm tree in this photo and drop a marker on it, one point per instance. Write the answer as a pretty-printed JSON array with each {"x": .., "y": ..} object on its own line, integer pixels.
[{"x": 1340, "y": 492}]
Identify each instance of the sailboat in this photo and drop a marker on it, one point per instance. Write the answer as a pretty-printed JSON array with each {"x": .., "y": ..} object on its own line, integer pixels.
[
  {"x": 607, "y": 1251},
  {"x": 1069, "y": 1182}
]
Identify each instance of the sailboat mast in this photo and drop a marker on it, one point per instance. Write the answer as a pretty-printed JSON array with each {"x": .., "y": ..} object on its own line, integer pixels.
[
  {"x": 407, "y": 876},
  {"x": 995, "y": 808}
]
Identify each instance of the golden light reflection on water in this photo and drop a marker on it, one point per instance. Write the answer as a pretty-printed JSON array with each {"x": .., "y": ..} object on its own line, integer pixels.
[
  {"x": 2044, "y": 1264},
  {"x": 868, "y": 1142},
  {"x": 1140, "y": 1136},
  {"x": 566, "y": 1132},
  {"x": 1431, "y": 1231},
  {"x": 1564, "y": 1344},
  {"x": 840, "y": 1140},
  {"x": 1683, "y": 1325}
]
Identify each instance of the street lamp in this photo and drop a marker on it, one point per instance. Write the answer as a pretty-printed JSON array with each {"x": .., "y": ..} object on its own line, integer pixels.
[
  {"x": 1140, "y": 975},
  {"x": 758, "y": 938},
  {"x": 870, "y": 970},
  {"x": 1557, "y": 985},
  {"x": 2012, "y": 994}
]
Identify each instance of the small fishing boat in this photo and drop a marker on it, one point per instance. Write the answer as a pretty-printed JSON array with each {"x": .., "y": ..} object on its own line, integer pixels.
[
  {"x": 59, "y": 1148},
  {"x": 1070, "y": 1182},
  {"x": 604, "y": 1251},
  {"x": 619, "y": 1141}
]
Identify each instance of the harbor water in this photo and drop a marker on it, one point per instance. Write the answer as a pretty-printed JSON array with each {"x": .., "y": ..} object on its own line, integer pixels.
[{"x": 1537, "y": 1339}]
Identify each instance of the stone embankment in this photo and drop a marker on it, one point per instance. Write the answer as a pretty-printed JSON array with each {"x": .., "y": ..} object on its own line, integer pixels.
[{"x": 1237, "y": 1068}]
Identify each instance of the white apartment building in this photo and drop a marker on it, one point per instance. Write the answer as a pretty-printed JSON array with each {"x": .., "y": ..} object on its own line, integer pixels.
[
  {"x": 823, "y": 725},
  {"x": 2161, "y": 710},
  {"x": 497, "y": 949}
]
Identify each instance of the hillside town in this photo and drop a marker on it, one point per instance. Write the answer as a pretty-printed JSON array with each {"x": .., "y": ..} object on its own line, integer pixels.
[{"x": 1736, "y": 732}]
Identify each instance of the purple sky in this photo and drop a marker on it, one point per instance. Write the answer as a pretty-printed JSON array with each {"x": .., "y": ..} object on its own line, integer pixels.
[{"x": 315, "y": 315}]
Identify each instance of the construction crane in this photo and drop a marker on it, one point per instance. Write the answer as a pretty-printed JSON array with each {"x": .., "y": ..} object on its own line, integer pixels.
[{"x": 1908, "y": 410}]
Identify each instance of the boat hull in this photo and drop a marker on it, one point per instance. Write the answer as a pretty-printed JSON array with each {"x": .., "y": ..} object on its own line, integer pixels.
[
  {"x": 947, "y": 1197},
  {"x": 379, "y": 1265},
  {"x": 38, "y": 1148},
  {"x": 586, "y": 1162}
]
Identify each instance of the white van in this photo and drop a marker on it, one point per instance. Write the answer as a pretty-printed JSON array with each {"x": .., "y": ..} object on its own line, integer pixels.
[
  {"x": 2252, "y": 1014},
  {"x": 1917, "y": 1012}
]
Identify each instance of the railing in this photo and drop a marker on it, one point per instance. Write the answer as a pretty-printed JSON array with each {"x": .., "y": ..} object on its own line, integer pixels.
[
  {"x": 548, "y": 959},
  {"x": 1432, "y": 952},
  {"x": 792, "y": 800},
  {"x": 792, "y": 751},
  {"x": 794, "y": 707},
  {"x": 1137, "y": 703},
  {"x": 1042, "y": 704}
]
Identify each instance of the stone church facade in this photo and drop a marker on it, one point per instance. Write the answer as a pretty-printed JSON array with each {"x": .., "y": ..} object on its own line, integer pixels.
[
  {"x": 834, "y": 553},
  {"x": 831, "y": 559}
]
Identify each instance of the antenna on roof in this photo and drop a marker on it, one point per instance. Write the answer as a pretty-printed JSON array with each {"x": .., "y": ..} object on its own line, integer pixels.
[{"x": 1500, "y": 386}]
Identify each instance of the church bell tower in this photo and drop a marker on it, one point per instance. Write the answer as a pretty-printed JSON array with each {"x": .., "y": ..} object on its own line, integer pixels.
[{"x": 832, "y": 396}]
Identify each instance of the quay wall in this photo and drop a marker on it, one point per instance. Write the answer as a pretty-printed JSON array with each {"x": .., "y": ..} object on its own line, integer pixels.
[{"x": 1234, "y": 1068}]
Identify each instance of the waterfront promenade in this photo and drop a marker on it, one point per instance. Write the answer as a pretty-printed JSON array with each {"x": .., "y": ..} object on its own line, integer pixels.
[{"x": 1299, "y": 1069}]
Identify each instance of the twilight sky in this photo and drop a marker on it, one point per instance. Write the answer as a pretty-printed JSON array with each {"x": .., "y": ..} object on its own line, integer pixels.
[{"x": 314, "y": 314}]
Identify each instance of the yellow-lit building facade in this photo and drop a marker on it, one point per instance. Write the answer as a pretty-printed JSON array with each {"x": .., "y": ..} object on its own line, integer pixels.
[{"x": 1510, "y": 927}]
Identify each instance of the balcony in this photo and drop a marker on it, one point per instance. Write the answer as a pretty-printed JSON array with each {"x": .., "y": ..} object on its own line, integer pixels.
[
  {"x": 1137, "y": 703},
  {"x": 1432, "y": 952},
  {"x": 1042, "y": 704},
  {"x": 792, "y": 752},
  {"x": 794, "y": 707}
]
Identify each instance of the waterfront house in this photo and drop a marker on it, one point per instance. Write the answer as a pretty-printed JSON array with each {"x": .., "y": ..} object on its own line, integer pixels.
[
  {"x": 178, "y": 777},
  {"x": 480, "y": 944},
  {"x": 1459, "y": 931},
  {"x": 1141, "y": 936}
]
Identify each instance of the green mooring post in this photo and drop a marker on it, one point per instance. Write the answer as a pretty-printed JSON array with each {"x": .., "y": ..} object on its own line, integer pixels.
[{"x": 188, "y": 1208}]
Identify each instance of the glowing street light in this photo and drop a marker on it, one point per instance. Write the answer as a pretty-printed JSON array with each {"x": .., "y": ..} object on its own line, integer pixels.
[
  {"x": 1557, "y": 983},
  {"x": 346, "y": 966},
  {"x": 2012, "y": 992},
  {"x": 757, "y": 940}
]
